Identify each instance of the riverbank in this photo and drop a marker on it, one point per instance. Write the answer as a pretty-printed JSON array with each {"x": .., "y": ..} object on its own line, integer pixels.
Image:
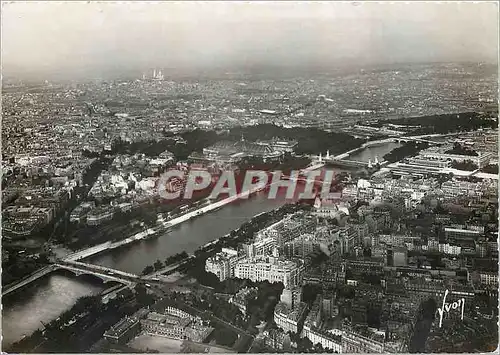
[
  {"x": 78, "y": 327},
  {"x": 20, "y": 321},
  {"x": 235, "y": 236},
  {"x": 165, "y": 225},
  {"x": 187, "y": 236},
  {"x": 208, "y": 228},
  {"x": 195, "y": 267},
  {"x": 455, "y": 172},
  {"x": 258, "y": 222}
]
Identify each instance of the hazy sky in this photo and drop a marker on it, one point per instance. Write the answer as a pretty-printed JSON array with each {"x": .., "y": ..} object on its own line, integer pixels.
[{"x": 86, "y": 37}]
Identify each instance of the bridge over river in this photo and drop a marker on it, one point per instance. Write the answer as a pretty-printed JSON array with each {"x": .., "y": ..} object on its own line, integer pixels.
[
  {"x": 104, "y": 273},
  {"x": 342, "y": 159},
  {"x": 27, "y": 280},
  {"x": 70, "y": 262}
]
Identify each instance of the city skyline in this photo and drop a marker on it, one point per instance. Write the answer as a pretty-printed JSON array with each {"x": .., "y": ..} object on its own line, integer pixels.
[
  {"x": 93, "y": 39},
  {"x": 250, "y": 177}
]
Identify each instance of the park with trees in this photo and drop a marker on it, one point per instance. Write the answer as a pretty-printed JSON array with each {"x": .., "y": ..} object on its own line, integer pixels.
[{"x": 442, "y": 124}]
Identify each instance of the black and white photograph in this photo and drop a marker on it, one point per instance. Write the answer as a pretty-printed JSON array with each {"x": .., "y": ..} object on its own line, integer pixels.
[{"x": 249, "y": 177}]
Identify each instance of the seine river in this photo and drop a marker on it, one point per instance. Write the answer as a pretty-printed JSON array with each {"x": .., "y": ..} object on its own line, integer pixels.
[
  {"x": 42, "y": 301},
  {"x": 45, "y": 299},
  {"x": 24, "y": 311},
  {"x": 187, "y": 236},
  {"x": 374, "y": 151}
]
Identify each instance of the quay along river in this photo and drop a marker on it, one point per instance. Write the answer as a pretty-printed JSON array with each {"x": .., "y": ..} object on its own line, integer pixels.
[{"x": 44, "y": 300}]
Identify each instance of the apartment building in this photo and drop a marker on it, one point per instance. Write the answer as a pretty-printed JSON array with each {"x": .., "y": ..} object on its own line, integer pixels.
[
  {"x": 222, "y": 264},
  {"x": 290, "y": 319}
]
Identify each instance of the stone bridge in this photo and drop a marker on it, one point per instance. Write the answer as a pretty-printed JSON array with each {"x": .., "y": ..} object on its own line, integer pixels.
[{"x": 104, "y": 273}]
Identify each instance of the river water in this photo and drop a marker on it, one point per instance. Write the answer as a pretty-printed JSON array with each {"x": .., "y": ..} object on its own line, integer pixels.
[
  {"x": 374, "y": 151},
  {"x": 48, "y": 297},
  {"x": 187, "y": 236},
  {"x": 45, "y": 299},
  {"x": 42, "y": 301}
]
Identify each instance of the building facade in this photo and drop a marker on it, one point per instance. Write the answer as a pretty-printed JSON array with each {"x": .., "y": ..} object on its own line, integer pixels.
[
  {"x": 272, "y": 269},
  {"x": 222, "y": 264}
]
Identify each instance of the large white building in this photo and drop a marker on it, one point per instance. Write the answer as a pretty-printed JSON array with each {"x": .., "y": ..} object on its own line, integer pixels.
[
  {"x": 291, "y": 297},
  {"x": 290, "y": 319},
  {"x": 480, "y": 160},
  {"x": 262, "y": 247},
  {"x": 462, "y": 232},
  {"x": 272, "y": 269},
  {"x": 357, "y": 342},
  {"x": 454, "y": 188},
  {"x": 302, "y": 246},
  {"x": 281, "y": 145},
  {"x": 175, "y": 324},
  {"x": 328, "y": 340},
  {"x": 99, "y": 215},
  {"x": 488, "y": 278},
  {"x": 222, "y": 264},
  {"x": 450, "y": 249}
]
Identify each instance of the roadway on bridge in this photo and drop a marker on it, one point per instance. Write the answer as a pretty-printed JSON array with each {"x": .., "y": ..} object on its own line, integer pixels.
[
  {"x": 129, "y": 281},
  {"x": 38, "y": 274},
  {"x": 106, "y": 274},
  {"x": 392, "y": 139},
  {"x": 97, "y": 268}
]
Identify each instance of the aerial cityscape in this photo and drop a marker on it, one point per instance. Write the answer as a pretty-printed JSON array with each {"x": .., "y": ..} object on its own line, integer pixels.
[{"x": 256, "y": 177}]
